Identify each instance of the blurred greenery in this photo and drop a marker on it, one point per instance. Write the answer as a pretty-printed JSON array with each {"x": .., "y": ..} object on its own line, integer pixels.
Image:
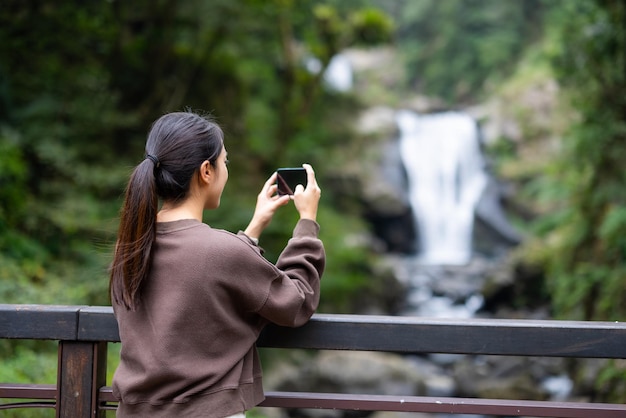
[
  {"x": 80, "y": 83},
  {"x": 457, "y": 49},
  {"x": 586, "y": 259}
]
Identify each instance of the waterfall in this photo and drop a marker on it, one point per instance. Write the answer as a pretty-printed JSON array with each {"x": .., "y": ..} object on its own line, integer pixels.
[{"x": 446, "y": 177}]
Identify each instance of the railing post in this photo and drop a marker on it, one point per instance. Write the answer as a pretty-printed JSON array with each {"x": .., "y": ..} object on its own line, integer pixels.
[{"x": 81, "y": 372}]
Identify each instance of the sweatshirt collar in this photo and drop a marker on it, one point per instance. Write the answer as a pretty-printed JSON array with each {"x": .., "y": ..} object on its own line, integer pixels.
[{"x": 167, "y": 227}]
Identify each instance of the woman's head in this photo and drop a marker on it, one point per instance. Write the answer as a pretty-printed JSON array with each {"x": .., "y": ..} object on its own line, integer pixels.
[
  {"x": 180, "y": 142},
  {"x": 178, "y": 146}
]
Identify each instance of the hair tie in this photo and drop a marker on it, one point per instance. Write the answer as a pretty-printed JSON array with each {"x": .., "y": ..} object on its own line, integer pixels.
[{"x": 154, "y": 159}]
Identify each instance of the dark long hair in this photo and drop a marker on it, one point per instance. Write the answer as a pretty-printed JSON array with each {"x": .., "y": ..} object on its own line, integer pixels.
[{"x": 178, "y": 143}]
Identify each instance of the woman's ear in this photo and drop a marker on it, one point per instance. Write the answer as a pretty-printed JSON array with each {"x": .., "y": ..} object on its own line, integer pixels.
[{"x": 206, "y": 172}]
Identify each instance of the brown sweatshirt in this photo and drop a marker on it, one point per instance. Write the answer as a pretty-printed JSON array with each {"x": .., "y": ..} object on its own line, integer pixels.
[{"x": 188, "y": 350}]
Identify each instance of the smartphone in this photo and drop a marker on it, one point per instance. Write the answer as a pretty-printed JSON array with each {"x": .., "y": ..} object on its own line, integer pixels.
[{"x": 289, "y": 178}]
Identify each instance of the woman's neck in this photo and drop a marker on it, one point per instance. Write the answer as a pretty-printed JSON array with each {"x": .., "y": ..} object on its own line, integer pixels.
[{"x": 185, "y": 210}]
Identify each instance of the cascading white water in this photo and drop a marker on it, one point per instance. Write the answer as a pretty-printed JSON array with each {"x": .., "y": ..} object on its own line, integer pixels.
[{"x": 446, "y": 177}]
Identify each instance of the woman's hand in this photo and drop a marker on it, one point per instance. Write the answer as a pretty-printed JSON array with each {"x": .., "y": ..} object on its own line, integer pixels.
[
  {"x": 307, "y": 200},
  {"x": 266, "y": 205}
]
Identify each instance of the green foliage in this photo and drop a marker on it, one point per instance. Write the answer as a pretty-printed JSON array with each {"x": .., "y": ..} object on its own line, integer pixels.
[
  {"x": 347, "y": 259},
  {"x": 371, "y": 27},
  {"x": 586, "y": 257},
  {"x": 12, "y": 179},
  {"x": 611, "y": 382},
  {"x": 28, "y": 362},
  {"x": 80, "y": 88},
  {"x": 457, "y": 48}
]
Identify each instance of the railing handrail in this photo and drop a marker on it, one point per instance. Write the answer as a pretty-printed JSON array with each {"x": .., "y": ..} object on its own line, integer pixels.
[
  {"x": 410, "y": 335},
  {"x": 86, "y": 329}
]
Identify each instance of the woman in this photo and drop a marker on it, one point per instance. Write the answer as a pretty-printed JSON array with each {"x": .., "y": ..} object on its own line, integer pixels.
[{"x": 191, "y": 300}]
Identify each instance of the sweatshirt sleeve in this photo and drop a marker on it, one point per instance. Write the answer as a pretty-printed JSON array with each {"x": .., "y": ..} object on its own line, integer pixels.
[{"x": 294, "y": 294}]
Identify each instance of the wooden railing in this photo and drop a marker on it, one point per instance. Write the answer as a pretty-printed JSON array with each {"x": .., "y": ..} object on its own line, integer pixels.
[{"x": 83, "y": 332}]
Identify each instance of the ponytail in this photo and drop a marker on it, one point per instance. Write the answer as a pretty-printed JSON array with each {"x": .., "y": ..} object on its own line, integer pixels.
[{"x": 137, "y": 230}]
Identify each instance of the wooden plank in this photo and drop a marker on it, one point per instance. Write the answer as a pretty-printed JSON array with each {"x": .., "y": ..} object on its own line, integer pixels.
[
  {"x": 99, "y": 377},
  {"x": 38, "y": 322},
  {"x": 412, "y": 335},
  {"x": 28, "y": 391},
  {"x": 97, "y": 323},
  {"x": 442, "y": 405},
  {"x": 75, "y": 378}
]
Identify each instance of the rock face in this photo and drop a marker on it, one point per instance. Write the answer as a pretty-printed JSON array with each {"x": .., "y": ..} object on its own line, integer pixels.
[
  {"x": 382, "y": 178},
  {"x": 436, "y": 376},
  {"x": 382, "y": 182},
  {"x": 364, "y": 373}
]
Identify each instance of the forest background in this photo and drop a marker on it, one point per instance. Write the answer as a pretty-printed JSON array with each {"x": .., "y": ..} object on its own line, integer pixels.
[{"x": 80, "y": 83}]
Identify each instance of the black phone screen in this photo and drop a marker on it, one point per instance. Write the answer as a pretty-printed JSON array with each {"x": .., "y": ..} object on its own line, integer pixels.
[{"x": 289, "y": 178}]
